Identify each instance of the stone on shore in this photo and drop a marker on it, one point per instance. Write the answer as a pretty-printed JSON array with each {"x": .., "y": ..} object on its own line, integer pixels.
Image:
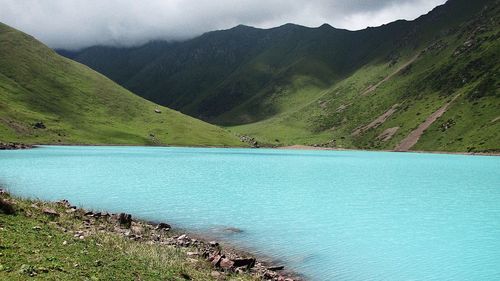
[
  {"x": 14, "y": 145},
  {"x": 276, "y": 268},
  {"x": 226, "y": 264},
  {"x": 7, "y": 207},
  {"x": 50, "y": 212},
  {"x": 125, "y": 220},
  {"x": 248, "y": 263},
  {"x": 162, "y": 226},
  {"x": 216, "y": 260}
]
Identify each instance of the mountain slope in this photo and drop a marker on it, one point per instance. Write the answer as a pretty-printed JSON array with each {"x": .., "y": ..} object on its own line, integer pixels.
[
  {"x": 45, "y": 98},
  {"x": 365, "y": 89},
  {"x": 451, "y": 84}
]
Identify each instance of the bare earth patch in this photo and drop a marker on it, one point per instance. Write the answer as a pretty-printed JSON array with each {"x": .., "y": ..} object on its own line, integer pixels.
[
  {"x": 387, "y": 134},
  {"x": 415, "y": 135},
  {"x": 377, "y": 122}
]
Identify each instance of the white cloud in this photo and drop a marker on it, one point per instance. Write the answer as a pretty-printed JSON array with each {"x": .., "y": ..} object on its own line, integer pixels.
[{"x": 81, "y": 23}]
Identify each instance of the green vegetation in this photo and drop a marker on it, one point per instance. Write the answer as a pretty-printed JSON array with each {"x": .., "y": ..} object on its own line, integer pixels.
[
  {"x": 45, "y": 98},
  {"x": 298, "y": 85},
  {"x": 34, "y": 244}
]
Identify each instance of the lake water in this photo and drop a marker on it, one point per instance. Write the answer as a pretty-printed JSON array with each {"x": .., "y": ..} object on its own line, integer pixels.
[{"x": 330, "y": 215}]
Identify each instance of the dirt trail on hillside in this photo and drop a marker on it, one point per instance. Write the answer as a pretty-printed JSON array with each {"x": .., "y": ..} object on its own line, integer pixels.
[
  {"x": 377, "y": 122},
  {"x": 412, "y": 139},
  {"x": 399, "y": 69}
]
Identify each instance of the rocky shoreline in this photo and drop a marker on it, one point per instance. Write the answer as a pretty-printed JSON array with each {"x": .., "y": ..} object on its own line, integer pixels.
[
  {"x": 224, "y": 261},
  {"x": 14, "y": 145}
]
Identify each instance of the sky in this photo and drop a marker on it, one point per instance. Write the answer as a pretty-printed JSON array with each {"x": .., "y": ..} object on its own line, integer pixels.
[{"x": 74, "y": 24}]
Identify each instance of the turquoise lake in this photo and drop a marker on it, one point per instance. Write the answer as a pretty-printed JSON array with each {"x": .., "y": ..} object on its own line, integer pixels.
[{"x": 329, "y": 215}]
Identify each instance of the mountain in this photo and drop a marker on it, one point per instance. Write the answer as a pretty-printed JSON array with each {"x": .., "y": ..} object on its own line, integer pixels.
[
  {"x": 46, "y": 98},
  {"x": 427, "y": 84}
]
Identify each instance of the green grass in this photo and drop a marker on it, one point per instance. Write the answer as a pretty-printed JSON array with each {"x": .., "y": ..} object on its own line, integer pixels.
[
  {"x": 285, "y": 85},
  {"x": 80, "y": 106},
  {"x": 288, "y": 85},
  {"x": 36, "y": 246},
  {"x": 422, "y": 88}
]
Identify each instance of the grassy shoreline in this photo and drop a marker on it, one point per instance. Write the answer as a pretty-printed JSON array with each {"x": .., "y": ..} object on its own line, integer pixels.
[
  {"x": 289, "y": 147},
  {"x": 57, "y": 241}
]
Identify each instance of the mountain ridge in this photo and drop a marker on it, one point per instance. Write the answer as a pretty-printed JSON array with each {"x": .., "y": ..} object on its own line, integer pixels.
[{"x": 288, "y": 85}]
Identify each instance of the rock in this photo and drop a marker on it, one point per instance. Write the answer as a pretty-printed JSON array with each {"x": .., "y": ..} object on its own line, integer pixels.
[
  {"x": 276, "y": 268},
  {"x": 215, "y": 274},
  {"x": 447, "y": 125},
  {"x": 240, "y": 270},
  {"x": 7, "y": 207},
  {"x": 125, "y": 220},
  {"x": 192, "y": 254},
  {"x": 14, "y": 145},
  {"x": 248, "y": 263},
  {"x": 157, "y": 111},
  {"x": 42, "y": 269},
  {"x": 216, "y": 260},
  {"x": 64, "y": 203},
  {"x": 182, "y": 237},
  {"x": 270, "y": 275},
  {"x": 226, "y": 264},
  {"x": 163, "y": 226},
  {"x": 137, "y": 229},
  {"x": 50, "y": 212},
  {"x": 39, "y": 125},
  {"x": 36, "y": 227},
  {"x": 28, "y": 270}
]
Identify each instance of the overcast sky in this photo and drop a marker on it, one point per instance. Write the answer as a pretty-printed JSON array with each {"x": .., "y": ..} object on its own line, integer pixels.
[{"x": 80, "y": 23}]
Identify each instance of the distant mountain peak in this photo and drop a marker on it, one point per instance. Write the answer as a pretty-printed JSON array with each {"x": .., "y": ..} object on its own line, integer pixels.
[
  {"x": 325, "y": 25},
  {"x": 243, "y": 27}
]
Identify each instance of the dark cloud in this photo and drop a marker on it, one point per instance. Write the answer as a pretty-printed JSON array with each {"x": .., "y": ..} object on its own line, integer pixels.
[{"x": 81, "y": 23}]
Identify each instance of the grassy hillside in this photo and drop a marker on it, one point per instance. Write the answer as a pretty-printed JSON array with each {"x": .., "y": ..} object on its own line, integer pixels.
[
  {"x": 350, "y": 113},
  {"x": 372, "y": 88},
  {"x": 46, "y": 98},
  {"x": 73, "y": 246}
]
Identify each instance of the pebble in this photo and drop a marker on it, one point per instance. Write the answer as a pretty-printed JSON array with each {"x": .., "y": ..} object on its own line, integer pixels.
[{"x": 215, "y": 274}]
